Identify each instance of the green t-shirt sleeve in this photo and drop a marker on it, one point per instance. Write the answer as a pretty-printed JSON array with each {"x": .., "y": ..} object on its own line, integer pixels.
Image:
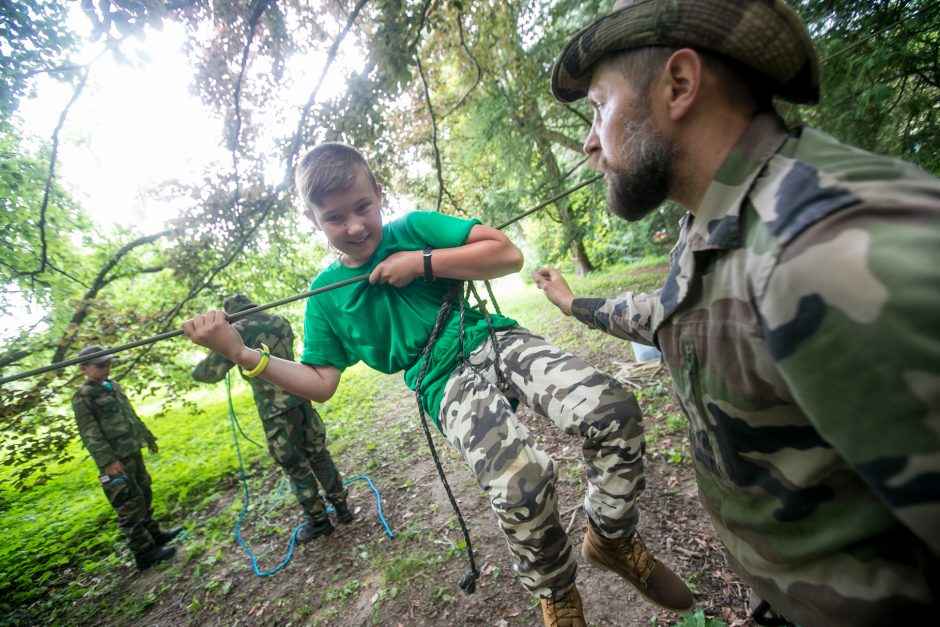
[{"x": 428, "y": 228}]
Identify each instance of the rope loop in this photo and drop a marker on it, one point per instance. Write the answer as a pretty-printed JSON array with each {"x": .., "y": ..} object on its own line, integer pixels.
[{"x": 246, "y": 501}]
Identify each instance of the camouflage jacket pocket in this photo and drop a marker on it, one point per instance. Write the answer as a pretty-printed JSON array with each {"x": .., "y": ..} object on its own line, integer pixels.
[
  {"x": 689, "y": 386},
  {"x": 111, "y": 416}
]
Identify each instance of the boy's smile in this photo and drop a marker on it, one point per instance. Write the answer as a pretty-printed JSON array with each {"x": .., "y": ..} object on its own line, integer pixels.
[{"x": 352, "y": 220}]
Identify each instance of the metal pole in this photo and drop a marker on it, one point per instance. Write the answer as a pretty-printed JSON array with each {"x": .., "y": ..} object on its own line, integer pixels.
[
  {"x": 549, "y": 201},
  {"x": 276, "y": 303},
  {"x": 169, "y": 334}
]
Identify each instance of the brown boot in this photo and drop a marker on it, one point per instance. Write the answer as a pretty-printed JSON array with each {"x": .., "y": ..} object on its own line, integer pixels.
[
  {"x": 563, "y": 610},
  {"x": 627, "y": 557}
]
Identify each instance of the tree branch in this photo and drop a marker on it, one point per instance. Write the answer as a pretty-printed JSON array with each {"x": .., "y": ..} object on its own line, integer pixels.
[
  {"x": 236, "y": 132},
  {"x": 561, "y": 139},
  {"x": 44, "y": 207},
  {"x": 305, "y": 112},
  {"x": 476, "y": 64},
  {"x": 437, "y": 152},
  {"x": 101, "y": 280}
]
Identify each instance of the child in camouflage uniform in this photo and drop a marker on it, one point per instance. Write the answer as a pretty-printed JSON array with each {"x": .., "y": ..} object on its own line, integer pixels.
[
  {"x": 113, "y": 434},
  {"x": 386, "y": 322},
  {"x": 295, "y": 433},
  {"x": 801, "y": 317}
]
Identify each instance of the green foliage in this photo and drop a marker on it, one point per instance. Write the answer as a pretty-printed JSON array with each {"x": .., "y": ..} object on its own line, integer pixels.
[
  {"x": 59, "y": 541},
  {"x": 881, "y": 81},
  {"x": 70, "y": 524},
  {"x": 697, "y": 618},
  {"x": 475, "y": 132},
  {"x": 340, "y": 593},
  {"x": 34, "y": 39}
]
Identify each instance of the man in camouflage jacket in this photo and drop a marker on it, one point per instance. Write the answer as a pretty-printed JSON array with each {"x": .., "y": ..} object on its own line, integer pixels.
[
  {"x": 801, "y": 317},
  {"x": 295, "y": 433},
  {"x": 114, "y": 434}
]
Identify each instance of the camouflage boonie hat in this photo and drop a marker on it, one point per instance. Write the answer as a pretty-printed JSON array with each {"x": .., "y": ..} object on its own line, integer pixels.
[
  {"x": 239, "y": 302},
  {"x": 764, "y": 35},
  {"x": 88, "y": 350}
]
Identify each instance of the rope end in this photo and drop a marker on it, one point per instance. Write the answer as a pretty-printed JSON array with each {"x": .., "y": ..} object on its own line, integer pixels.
[{"x": 468, "y": 583}]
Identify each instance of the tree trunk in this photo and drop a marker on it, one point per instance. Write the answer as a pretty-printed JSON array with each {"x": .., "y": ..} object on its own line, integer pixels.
[{"x": 579, "y": 257}]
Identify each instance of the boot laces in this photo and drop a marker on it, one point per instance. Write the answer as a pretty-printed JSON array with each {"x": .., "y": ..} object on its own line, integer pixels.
[
  {"x": 638, "y": 556},
  {"x": 563, "y": 609}
]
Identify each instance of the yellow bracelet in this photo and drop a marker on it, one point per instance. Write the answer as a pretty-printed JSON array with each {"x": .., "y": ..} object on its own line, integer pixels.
[{"x": 265, "y": 356}]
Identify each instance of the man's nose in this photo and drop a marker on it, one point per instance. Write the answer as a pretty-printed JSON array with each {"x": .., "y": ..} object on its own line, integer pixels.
[{"x": 591, "y": 142}]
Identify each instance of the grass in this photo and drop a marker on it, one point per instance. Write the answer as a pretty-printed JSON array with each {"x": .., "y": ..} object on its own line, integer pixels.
[
  {"x": 532, "y": 310},
  {"x": 58, "y": 540},
  {"x": 66, "y": 526}
]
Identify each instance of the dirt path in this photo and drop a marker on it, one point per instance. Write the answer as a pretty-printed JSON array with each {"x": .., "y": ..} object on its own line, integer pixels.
[{"x": 358, "y": 576}]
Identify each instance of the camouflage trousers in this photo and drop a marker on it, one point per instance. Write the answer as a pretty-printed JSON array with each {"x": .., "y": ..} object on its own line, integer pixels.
[
  {"x": 297, "y": 442},
  {"x": 132, "y": 499},
  {"x": 477, "y": 418}
]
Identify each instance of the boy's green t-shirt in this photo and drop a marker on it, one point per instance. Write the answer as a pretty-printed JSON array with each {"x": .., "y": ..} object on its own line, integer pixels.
[{"x": 388, "y": 327}]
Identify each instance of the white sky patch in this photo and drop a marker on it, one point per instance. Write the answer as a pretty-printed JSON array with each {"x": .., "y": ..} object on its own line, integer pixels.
[
  {"x": 132, "y": 128},
  {"x": 137, "y": 126}
]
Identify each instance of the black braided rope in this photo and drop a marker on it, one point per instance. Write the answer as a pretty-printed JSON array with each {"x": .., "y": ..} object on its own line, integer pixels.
[
  {"x": 467, "y": 583},
  {"x": 471, "y": 288}
]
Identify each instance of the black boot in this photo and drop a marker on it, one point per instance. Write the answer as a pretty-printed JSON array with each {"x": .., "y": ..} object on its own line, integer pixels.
[
  {"x": 162, "y": 537},
  {"x": 342, "y": 512},
  {"x": 156, "y": 554},
  {"x": 312, "y": 530}
]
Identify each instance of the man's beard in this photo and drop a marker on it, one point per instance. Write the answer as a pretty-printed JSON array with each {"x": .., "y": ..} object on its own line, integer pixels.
[{"x": 644, "y": 184}]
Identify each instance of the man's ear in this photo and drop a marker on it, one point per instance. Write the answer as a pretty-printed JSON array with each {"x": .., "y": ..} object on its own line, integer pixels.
[
  {"x": 683, "y": 80},
  {"x": 378, "y": 192}
]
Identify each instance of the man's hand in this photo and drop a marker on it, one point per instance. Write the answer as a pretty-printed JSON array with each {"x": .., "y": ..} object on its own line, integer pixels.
[
  {"x": 114, "y": 469},
  {"x": 153, "y": 447},
  {"x": 555, "y": 287},
  {"x": 214, "y": 332}
]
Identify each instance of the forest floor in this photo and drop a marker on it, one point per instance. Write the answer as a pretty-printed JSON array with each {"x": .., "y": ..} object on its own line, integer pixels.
[{"x": 359, "y": 576}]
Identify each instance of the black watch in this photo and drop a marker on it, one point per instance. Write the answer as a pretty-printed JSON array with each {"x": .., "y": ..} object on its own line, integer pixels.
[{"x": 428, "y": 271}]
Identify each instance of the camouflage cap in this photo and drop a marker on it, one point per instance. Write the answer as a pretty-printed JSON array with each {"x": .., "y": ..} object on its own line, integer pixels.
[
  {"x": 236, "y": 303},
  {"x": 88, "y": 350},
  {"x": 764, "y": 35}
]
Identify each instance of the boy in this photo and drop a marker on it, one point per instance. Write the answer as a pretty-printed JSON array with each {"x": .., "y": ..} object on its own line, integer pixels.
[
  {"x": 386, "y": 322},
  {"x": 113, "y": 434},
  {"x": 295, "y": 433}
]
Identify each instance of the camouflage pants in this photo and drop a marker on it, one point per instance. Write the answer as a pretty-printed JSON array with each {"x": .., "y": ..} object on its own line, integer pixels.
[
  {"x": 297, "y": 442},
  {"x": 131, "y": 497},
  {"x": 477, "y": 418}
]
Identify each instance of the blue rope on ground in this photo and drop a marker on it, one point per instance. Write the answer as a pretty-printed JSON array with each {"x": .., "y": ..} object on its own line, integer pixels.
[
  {"x": 378, "y": 501},
  {"x": 245, "y": 502}
]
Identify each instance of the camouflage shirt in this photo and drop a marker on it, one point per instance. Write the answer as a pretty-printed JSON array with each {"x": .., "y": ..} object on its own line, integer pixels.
[
  {"x": 801, "y": 324},
  {"x": 108, "y": 425},
  {"x": 274, "y": 331}
]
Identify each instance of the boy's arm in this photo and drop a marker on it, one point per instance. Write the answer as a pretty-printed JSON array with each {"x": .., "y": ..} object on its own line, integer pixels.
[
  {"x": 149, "y": 438},
  {"x": 487, "y": 254},
  {"x": 213, "y": 331}
]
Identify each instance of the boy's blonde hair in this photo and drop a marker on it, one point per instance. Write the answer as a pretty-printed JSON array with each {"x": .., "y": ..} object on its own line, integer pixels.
[{"x": 329, "y": 167}]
